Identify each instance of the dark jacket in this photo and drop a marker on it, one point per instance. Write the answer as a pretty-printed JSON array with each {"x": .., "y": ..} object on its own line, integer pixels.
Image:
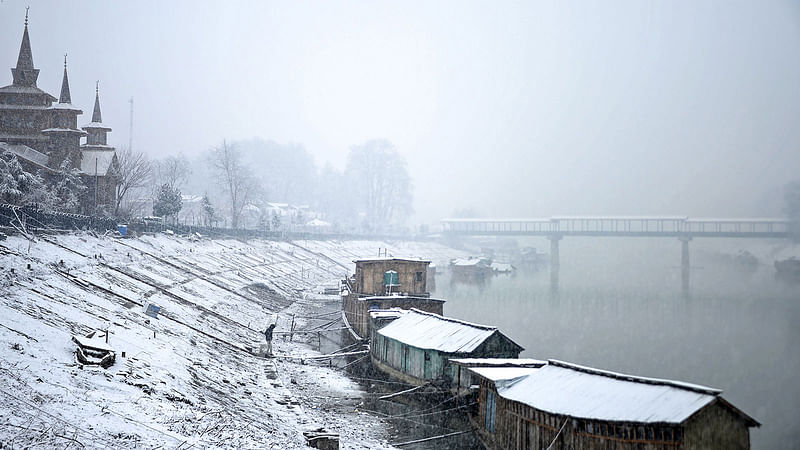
[{"x": 268, "y": 332}]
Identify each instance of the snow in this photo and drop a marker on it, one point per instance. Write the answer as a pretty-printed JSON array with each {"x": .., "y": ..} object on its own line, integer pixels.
[
  {"x": 581, "y": 392},
  {"x": 25, "y": 152},
  {"x": 96, "y": 125},
  {"x": 103, "y": 159},
  {"x": 503, "y": 373},
  {"x": 432, "y": 331},
  {"x": 65, "y": 106},
  {"x": 187, "y": 378},
  {"x": 499, "y": 362}
]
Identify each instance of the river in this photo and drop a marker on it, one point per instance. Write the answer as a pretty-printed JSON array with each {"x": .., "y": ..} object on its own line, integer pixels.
[{"x": 620, "y": 308}]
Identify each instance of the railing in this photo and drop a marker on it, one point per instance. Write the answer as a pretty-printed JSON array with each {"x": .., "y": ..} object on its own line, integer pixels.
[{"x": 622, "y": 226}]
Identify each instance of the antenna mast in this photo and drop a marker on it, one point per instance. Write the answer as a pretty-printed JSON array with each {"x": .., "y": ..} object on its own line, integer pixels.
[{"x": 130, "y": 128}]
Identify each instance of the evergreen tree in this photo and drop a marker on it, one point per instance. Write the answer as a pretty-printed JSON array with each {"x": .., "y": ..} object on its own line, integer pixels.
[
  {"x": 168, "y": 203},
  {"x": 18, "y": 187},
  {"x": 68, "y": 188},
  {"x": 276, "y": 221},
  {"x": 208, "y": 210}
]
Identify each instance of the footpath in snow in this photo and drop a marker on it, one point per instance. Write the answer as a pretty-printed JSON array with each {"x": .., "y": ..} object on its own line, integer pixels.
[{"x": 188, "y": 378}]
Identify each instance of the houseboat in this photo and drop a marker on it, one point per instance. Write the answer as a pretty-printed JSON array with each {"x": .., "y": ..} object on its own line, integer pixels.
[
  {"x": 385, "y": 283},
  {"x": 566, "y": 406},
  {"x": 416, "y": 347}
]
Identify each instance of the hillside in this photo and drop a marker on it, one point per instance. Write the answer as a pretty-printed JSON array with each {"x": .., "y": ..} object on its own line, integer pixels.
[{"x": 188, "y": 378}]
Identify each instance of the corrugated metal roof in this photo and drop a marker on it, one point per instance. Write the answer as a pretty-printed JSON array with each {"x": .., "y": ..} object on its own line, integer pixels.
[
  {"x": 582, "y": 392},
  {"x": 25, "y": 152},
  {"x": 431, "y": 331}
]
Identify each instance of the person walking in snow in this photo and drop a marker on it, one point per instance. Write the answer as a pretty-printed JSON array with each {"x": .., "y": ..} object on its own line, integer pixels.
[{"x": 268, "y": 336}]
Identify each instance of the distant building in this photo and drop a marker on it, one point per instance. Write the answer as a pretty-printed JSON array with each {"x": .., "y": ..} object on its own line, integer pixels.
[
  {"x": 417, "y": 346},
  {"x": 566, "y": 406},
  {"x": 42, "y": 131}
]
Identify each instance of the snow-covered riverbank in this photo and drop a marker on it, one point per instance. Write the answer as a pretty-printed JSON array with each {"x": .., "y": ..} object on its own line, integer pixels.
[{"x": 187, "y": 378}]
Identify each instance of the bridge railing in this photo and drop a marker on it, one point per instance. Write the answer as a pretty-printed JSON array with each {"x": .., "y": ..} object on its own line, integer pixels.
[{"x": 622, "y": 226}]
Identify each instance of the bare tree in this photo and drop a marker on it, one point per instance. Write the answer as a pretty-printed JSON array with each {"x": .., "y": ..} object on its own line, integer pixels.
[
  {"x": 383, "y": 189},
  {"x": 234, "y": 177},
  {"x": 134, "y": 172},
  {"x": 173, "y": 171}
]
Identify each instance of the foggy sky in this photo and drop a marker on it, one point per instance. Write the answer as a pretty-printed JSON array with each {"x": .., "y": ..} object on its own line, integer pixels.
[{"x": 512, "y": 109}]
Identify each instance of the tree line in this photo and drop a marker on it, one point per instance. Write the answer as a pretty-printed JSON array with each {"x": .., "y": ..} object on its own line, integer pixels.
[{"x": 239, "y": 180}]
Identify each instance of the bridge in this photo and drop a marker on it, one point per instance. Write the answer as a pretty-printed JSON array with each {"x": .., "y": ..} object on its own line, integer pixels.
[{"x": 681, "y": 227}]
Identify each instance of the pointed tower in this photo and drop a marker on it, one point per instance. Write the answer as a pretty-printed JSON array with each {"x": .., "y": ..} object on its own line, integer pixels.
[
  {"x": 97, "y": 138},
  {"x": 63, "y": 132},
  {"x": 25, "y": 74},
  {"x": 99, "y": 161},
  {"x": 24, "y": 105}
]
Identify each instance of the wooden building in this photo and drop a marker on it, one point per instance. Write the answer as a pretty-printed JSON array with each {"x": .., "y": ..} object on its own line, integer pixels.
[
  {"x": 384, "y": 283},
  {"x": 417, "y": 346},
  {"x": 370, "y": 277},
  {"x": 566, "y": 406}
]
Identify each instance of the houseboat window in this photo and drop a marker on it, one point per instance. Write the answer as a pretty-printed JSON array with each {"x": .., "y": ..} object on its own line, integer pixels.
[
  {"x": 604, "y": 430},
  {"x": 590, "y": 428},
  {"x": 678, "y": 434},
  {"x": 650, "y": 433},
  {"x": 491, "y": 408},
  {"x": 640, "y": 433},
  {"x": 419, "y": 276},
  {"x": 668, "y": 434},
  {"x": 618, "y": 432}
]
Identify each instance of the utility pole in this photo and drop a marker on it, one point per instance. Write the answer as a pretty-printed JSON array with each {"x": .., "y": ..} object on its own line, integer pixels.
[{"x": 130, "y": 128}]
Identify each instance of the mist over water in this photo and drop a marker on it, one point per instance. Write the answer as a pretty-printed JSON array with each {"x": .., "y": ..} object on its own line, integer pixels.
[{"x": 620, "y": 308}]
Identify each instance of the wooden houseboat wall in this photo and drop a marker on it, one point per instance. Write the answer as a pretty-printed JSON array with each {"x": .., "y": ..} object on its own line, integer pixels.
[{"x": 506, "y": 423}]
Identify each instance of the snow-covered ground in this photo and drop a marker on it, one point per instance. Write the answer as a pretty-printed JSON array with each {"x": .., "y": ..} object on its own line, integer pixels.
[{"x": 188, "y": 378}]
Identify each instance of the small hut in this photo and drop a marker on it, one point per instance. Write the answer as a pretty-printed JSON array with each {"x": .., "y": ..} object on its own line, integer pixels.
[
  {"x": 417, "y": 346},
  {"x": 566, "y": 406}
]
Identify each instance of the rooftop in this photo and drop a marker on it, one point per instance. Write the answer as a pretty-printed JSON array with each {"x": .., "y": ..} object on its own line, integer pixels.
[
  {"x": 584, "y": 392},
  {"x": 390, "y": 258},
  {"x": 432, "y": 331}
]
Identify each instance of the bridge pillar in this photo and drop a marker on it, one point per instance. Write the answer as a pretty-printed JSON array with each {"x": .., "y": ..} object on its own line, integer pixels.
[
  {"x": 685, "y": 267},
  {"x": 555, "y": 265}
]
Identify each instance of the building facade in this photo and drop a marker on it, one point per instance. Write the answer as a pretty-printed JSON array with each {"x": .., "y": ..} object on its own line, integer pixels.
[{"x": 42, "y": 132}]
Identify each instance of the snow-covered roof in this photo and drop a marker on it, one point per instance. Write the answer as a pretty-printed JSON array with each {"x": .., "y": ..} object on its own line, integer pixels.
[
  {"x": 498, "y": 362},
  {"x": 390, "y": 313},
  {"x": 467, "y": 262},
  {"x": 399, "y": 296},
  {"x": 64, "y": 130},
  {"x": 431, "y": 331},
  {"x": 96, "y": 125},
  {"x": 95, "y": 340},
  {"x": 15, "y": 89},
  {"x": 502, "y": 267},
  {"x": 317, "y": 223},
  {"x": 66, "y": 106},
  {"x": 588, "y": 393},
  {"x": 103, "y": 158},
  {"x": 503, "y": 373},
  {"x": 25, "y": 152},
  {"x": 390, "y": 258}
]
